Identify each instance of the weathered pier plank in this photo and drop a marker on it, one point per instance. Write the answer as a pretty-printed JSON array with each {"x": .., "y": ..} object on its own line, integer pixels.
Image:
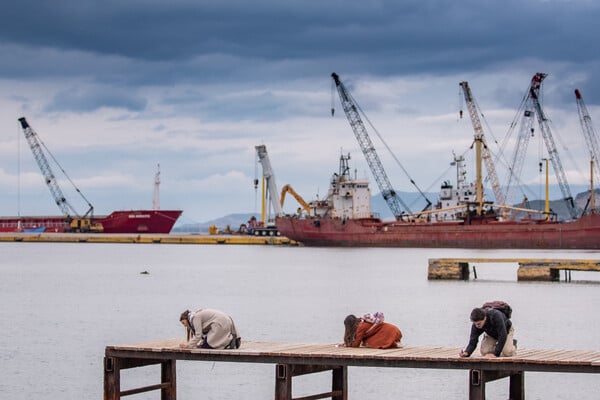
[{"x": 294, "y": 359}]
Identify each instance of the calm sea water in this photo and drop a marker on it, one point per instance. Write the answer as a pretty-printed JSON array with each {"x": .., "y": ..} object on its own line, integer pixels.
[{"x": 61, "y": 304}]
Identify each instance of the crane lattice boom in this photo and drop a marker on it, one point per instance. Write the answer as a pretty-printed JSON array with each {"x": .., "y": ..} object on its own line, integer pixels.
[
  {"x": 518, "y": 158},
  {"x": 591, "y": 136},
  {"x": 392, "y": 199},
  {"x": 536, "y": 83},
  {"x": 42, "y": 161},
  {"x": 485, "y": 152}
]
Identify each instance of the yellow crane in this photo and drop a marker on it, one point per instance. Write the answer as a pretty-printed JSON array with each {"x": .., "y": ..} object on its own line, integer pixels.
[{"x": 288, "y": 189}]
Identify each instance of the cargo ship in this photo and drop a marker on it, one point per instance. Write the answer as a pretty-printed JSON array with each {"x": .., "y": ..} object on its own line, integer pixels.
[
  {"x": 344, "y": 219},
  {"x": 462, "y": 218},
  {"x": 133, "y": 221}
]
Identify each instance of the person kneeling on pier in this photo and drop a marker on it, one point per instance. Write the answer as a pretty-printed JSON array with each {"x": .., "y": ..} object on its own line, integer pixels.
[
  {"x": 371, "y": 331},
  {"x": 209, "y": 329},
  {"x": 497, "y": 331}
]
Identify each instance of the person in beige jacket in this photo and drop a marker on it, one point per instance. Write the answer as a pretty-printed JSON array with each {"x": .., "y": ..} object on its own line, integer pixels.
[{"x": 209, "y": 329}]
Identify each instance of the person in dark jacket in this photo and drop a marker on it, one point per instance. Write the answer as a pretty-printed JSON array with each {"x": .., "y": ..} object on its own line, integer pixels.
[{"x": 497, "y": 332}]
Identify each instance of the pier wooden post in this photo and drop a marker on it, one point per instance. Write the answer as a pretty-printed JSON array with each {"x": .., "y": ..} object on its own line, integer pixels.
[
  {"x": 168, "y": 379},
  {"x": 284, "y": 373},
  {"x": 478, "y": 378},
  {"x": 112, "y": 377},
  {"x": 283, "y": 382},
  {"x": 339, "y": 383}
]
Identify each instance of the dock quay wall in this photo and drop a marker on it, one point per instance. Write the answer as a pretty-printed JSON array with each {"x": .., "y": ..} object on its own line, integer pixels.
[{"x": 145, "y": 238}]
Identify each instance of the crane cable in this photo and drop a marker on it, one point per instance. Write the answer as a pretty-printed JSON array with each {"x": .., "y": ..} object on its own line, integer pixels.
[
  {"x": 91, "y": 207},
  {"x": 382, "y": 141}
]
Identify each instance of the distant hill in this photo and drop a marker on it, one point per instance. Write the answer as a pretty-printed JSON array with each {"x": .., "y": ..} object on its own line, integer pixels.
[{"x": 380, "y": 208}]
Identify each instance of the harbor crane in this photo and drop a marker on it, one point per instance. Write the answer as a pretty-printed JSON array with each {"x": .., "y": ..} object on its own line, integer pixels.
[
  {"x": 482, "y": 152},
  {"x": 534, "y": 90},
  {"x": 526, "y": 132},
  {"x": 77, "y": 222},
  {"x": 590, "y": 134},
  {"x": 394, "y": 202},
  {"x": 271, "y": 197},
  {"x": 531, "y": 108}
]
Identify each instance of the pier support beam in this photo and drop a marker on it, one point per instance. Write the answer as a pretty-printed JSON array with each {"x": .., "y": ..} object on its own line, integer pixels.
[
  {"x": 478, "y": 378},
  {"x": 285, "y": 372}
]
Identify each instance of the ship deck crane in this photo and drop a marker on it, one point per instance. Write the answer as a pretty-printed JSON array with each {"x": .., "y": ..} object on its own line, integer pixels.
[
  {"x": 288, "y": 189},
  {"x": 526, "y": 131},
  {"x": 590, "y": 134},
  {"x": 531, "y": 108},
  {"x": 482, "y": 152},
  {"x": 271, "y": 197},
  {"x": 394, "y": 202},
  {"x": 78, "y": 223},
  {"x": 536, "y": 83}
]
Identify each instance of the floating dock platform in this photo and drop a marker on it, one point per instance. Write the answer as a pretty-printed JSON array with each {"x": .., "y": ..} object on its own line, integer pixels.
[
  {"x": 530, "y": 269},
  {"x": 145, "y": 238},
  {"x": 295, "y": 359}
]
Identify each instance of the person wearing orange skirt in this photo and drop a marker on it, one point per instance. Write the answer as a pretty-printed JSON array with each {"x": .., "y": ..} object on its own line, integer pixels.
[{"x": 369, "y": 332}]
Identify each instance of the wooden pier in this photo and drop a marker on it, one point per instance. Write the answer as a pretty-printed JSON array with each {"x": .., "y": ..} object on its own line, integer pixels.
[
  {"x": 530, "y": 269},
  {"x": 292, "y": 360}
]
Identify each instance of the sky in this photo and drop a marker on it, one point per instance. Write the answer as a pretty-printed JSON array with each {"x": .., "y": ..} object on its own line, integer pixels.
[{"x": 116, "y": 88}]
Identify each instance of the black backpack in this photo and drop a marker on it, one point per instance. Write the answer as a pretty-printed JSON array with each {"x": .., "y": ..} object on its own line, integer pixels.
[{"x": 500, "y": 306}]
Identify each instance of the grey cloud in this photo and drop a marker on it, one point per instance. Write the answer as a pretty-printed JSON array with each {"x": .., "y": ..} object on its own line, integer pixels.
[{"x": 91, "y": 99}]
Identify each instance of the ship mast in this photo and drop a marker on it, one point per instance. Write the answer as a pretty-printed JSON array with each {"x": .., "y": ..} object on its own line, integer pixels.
[
  {"x": 592, "y": 190},
  {"x": 156, "y": 198},
  {"x": 478, "y": 176}
]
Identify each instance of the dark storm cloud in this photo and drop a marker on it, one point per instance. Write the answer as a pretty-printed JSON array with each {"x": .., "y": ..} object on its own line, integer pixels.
[
  {"x": 394, "y": 30},
  {"x": 137, "y": 43}
]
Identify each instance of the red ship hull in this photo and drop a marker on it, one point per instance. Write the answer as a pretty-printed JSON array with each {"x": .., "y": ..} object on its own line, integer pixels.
[
  {"x": 583, "y": 233},
  {"x": 134, "y": 221}
]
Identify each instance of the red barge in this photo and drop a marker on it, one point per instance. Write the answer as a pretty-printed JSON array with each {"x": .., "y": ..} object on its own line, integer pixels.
[{"x": 134, "y": 221}]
